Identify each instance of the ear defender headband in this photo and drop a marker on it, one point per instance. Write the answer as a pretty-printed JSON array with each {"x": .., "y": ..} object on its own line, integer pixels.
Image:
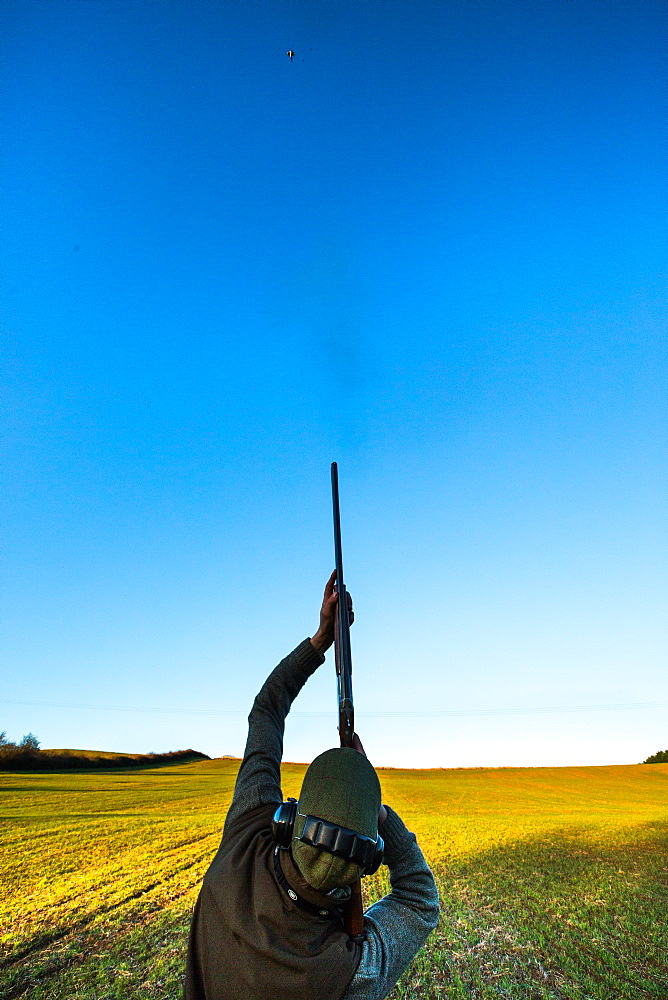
[{"x": 288, "y": 824}]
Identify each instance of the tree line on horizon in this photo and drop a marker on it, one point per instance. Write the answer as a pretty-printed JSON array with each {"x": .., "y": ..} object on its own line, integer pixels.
[
  {"x": 27, "y": 756},
  {"x": 660, "y": 757}
]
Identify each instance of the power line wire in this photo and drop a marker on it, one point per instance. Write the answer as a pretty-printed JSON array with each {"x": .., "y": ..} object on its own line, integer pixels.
[{"x": 406, "y": 714}]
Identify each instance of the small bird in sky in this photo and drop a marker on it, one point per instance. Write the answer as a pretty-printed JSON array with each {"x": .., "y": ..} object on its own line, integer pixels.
[{"x": 291, "y": 54}]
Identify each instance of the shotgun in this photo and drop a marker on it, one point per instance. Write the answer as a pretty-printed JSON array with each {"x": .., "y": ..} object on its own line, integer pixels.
[{"x": 354, "y": 918}]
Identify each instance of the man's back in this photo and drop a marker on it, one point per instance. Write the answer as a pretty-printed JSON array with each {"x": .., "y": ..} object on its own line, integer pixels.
[{"x": 249, "y": 940}]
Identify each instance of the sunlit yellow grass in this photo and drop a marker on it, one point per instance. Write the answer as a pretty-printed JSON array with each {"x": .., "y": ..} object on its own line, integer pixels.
[{"x": 554, "y": 881}]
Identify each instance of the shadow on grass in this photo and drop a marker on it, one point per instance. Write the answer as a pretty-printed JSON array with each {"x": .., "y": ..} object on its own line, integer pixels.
[
  {"x": 102, "y": 769},
  {"x": 562, "y": 915}
]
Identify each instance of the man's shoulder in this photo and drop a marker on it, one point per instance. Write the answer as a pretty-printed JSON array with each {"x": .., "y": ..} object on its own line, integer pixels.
[
  {"x": 245, "y": 840},
  {"x": 248, "y": 824}
]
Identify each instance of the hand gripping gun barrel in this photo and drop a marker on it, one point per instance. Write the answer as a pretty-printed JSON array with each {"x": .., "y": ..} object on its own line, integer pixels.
[{"x": 354, "y": 920}]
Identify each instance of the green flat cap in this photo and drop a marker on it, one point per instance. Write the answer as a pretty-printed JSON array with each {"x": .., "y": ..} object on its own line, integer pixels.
[{"x": 342, "y": 787}]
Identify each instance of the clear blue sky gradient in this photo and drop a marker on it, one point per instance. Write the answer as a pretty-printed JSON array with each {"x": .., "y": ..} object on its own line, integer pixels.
[{"x": 431, "y": 247}]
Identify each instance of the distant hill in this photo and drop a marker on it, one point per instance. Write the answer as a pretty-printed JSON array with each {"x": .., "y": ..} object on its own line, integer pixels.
[{"x": 59, "y": 760}]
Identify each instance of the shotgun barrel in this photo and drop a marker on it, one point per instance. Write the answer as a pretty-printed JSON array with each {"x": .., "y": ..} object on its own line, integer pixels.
[
  {"x": 354, "y": 915},
  {"x": 342, "y": 654}
]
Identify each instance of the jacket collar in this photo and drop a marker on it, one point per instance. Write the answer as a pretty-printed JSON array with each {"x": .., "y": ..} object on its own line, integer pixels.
[{"x": 320, "y": 903}]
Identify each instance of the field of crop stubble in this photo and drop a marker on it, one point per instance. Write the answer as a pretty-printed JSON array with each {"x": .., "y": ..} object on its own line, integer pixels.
[{"x": 553, "y": 881}]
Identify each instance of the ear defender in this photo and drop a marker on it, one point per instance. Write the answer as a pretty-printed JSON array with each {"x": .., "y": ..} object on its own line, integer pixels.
[
  {"x": 283, "y": 823},
  {"x": 338, "y": 840},
  {"x": 377, "y": 859}
]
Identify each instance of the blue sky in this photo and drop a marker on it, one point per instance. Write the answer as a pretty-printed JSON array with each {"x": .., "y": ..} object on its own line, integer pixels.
[{"x": 431, "y": 248}]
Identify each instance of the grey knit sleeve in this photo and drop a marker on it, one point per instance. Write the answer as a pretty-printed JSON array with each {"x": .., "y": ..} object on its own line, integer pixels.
[
  {"x": 259, "y": 778},
  {"x": 397, "y": 925}
]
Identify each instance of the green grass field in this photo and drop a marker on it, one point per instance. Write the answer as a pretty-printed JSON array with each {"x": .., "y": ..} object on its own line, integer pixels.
[{"x": 553, "y": 881}]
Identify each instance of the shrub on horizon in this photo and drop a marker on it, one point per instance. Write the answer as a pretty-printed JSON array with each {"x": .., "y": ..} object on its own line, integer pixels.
[
  {"x": 29, "y": 744},
  {"x": 18, "y": 754},
  {"x": 660, "y": 757}
]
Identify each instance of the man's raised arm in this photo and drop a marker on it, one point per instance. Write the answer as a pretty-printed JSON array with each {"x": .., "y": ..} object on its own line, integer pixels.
[{"x": 259, "y": 778}]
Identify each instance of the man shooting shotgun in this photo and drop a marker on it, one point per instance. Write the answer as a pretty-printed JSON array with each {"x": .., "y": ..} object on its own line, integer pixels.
[{"x": 279, "y": 913}]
